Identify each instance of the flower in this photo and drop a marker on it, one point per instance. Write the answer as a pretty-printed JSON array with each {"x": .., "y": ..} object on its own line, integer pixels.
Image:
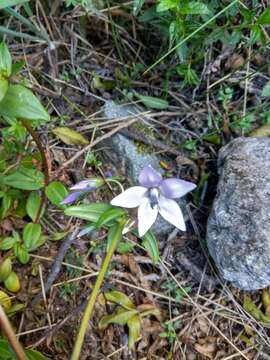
[
  {"x": 155, "y": 196},
  {"x": 80, "y": 188}
]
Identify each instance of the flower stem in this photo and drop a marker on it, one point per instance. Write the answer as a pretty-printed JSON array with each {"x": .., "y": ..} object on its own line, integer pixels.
[{"x": 91, "y": 302}]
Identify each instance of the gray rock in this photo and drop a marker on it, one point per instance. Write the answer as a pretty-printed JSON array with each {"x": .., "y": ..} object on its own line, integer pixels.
[
  {"x": 238, "y": 231},
  {"x": 123, "y": 154}
]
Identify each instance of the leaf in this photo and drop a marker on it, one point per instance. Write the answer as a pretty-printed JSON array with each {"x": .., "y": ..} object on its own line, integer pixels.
[
  {"x": 120, "y": 317},
  {"x": 134, "y": 326},
  {"x": 165, "y": 5},
  {"x": 194, "y": 8},
  {"x": 6, "y": 3},
  {"x": 25, "y": 179},
  {"x": 6, "y": 205},
  {"x": 254, "y": 311},
  {"x": 149, "y": 309},
  {"x": 150, "y": 244},
  {"x": 22, "y": 255},
  {"x": 153, "y": 102},
  {"x": 5, "y": 60},
  {"x": 5, "y": 300},
  {"x": 137, "y": 5},
  {"x": 266, "y": 90},
  {"x": 56, "y": 192},
  {"x": 21, "y": 103},
  {"x": 35, "y": 355},
  {"x": 31, "y": 235},
  {"x": 90, "y": 212},
  {"x": 262, "y": 131},
  {"x": 69, "y": 136},
  {"x": 33, "y": 204},
  {"x": 7, "y": 243},
  {"x": 119, "y": 298},
  {"x": 5, "y": 350},
  {"x": 110, "y": 215},
  {"x": 264, "y": 18},
  {"x": 3, "y": 88},
  {"x": 59, "y": 235}
]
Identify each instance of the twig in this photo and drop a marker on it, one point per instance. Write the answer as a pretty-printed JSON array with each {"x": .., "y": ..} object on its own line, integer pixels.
[
  {"x": 44, "y": 165},
  {"x": 8, "y": 331},
  {"x": 57, "y": 264}
]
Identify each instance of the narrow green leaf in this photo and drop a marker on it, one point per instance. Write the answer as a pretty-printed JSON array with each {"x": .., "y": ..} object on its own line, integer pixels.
[
  {"x": 134, "y": 326},
  {"x": 120, "y": 317},
  {"x": 25, "y": 179},
  {"x": 69, "y": 136},
  {"x": 153, "y": 102},
  {"x": 3, "y": 88},
  {"x": 90, "y": 212},
  {"x": 31, "y": 235},
  {"x": 264, "y": 18},
  {"x": 149, "y": 242},
  {"x": 110, "y": 215},
  {"x": 5, "y": 205},
  {"x": 5, "y": 60},
  {"x": 33, "y": 204},
  {"x": 137, "y": 5},
  {"x": 6, "y": 3},
  {"x": 56, "y": 192},
  {"x": 119, "y": 298},
  {"x": 20, "y": 102},
  {"x": 35, "y": 355}
]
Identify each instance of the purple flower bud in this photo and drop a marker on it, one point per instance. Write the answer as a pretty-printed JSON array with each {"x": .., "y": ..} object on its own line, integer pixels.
[
  {"x": 72, "y": 197},
  {"x": 87, "y": 185}
]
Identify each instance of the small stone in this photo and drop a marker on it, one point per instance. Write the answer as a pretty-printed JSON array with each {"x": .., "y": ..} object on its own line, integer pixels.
[
  {"x": 238, "y": 231},
  {"x": 123, "y": 154}
]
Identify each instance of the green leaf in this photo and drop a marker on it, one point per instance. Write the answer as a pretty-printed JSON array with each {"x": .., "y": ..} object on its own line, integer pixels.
[
  {"x": 109, "y": 216},
  {"x": 264, "y": 18},
  {"x": 90, "y": 212},
  {"x": 137, "y": 5},
  {"x": 56, "y": 192},
  {"x": 266, "y": 90},
  {"x": 69, "y": 136},
  {"x": 120, "y": 317},
  {"x": 5, "y": 60},
  {"x": 263, "y": 131},
  {"x": 119, "y": 298},
  {"x": 31, "y": 235},
  {"x": 23, "y": 255},
  {"x": 6, "y": 205},
  {"x": 25, "y": 179},
  {"x": 153, "y": 102},
  {"x": 5, "y": 350},
  {"x": 111, "y": 233},
  {"x": 35, "y": 355},
  {"x": 150, "y": 244},
  {"x": 165, "y": 5},
  {"x": 3, "y": 88},
  {"x": 21, "y": 103},
  {"x": 134, "y": 326},
  {"x": 17, "y": 67},
  {"x": 7, "y": 243},
  {"x": 6, "y": 3},
  {"x": 33, "y": 204},
  {"x": 194, "y": 8}
]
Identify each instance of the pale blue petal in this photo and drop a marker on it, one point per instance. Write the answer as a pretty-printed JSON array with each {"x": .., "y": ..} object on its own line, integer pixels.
[
  {"x": 175, "y": 188},
  {"x": 146, "y": 217},
  {"x": 71, "y": 198},
  {"x": 149, "y": 177},
  {"x": 130, "y": 198},
  {"x": 171, "y": 212}
]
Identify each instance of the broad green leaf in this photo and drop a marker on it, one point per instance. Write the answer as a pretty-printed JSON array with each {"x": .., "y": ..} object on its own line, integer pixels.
[
  {"x": 35, "y": 355},
  {"x": 165, "y": 5},
  {"x": 23, "y": 255},
  {"x": 12, "y": 283},
  {"x": 266, "y": 90},
  {"x": 5, "y": 269},
  {"x": 5, "y": 205},
  {"x": 110, "y": 215},
  {"x": 33, "y": 204},
  {"x": 21, "y": 103},
  {"x": 5, "y": 350},
  {"x": 149, "y": 242},
  {"x": 137, "y": 5},
  {"x": 5, "y": 301},
  {"x": 90, "y": 212},
  {"x": 6, "y": 3},
  {"x": 134, "y": 326},
  {"x": 120, "y": 317},
  {"x": 119, "y": 298},
  {"x": 56, "y": 192},
  {"x": 69, "y": 136},
  {"x": 3, "y": 88},
  {"x": 31, "y": 235},
  {"x": 194, "y": 8},
  {"x": 264, "y": 18},
  {"x": 25, "y": 179},
  {"x": 153, "y": 102},
  {"x": 7, "y": 243},
  {"x": 5, "y": 61}
]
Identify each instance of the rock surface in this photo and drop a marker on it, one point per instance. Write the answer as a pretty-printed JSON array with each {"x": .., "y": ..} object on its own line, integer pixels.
[
  {"x": 238, "y": 232},
  {"x": 124, "y": 155}
]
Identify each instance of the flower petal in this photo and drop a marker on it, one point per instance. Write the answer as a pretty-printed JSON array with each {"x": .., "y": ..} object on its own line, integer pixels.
[
  {"x": 146, "y": 217},
  {"x": 175, "y": 188},
  {"x": 90, "y": 184},
  {"x": 130, "y": 198},
  {"x": 72, "y": 197},
  {"x": 171, "y": 212},
  {"x": 149, "y": 177}
]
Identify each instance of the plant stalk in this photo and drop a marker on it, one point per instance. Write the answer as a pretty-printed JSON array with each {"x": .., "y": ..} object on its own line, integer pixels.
[
  {"x": 8, "y": 331},
  {"x": 91, "y": 302}
]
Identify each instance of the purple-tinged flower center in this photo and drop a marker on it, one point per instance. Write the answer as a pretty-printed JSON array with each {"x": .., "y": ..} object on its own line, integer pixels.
[{"x": 153, "y": 195}]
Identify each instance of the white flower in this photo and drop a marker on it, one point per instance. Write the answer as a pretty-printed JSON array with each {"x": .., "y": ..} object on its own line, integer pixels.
[{"x": 155, "y": 196}]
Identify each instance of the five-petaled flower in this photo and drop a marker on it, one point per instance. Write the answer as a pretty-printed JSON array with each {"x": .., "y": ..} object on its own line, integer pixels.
[{"x": 155, "y": 195}]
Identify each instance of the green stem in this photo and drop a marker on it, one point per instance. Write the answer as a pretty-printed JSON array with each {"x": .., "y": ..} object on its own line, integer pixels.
[{"x": 91, "y": 302}]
